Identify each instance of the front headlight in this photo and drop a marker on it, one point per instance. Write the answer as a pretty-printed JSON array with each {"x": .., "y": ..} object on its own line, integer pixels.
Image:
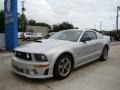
[{"x": 40, "y": 57}]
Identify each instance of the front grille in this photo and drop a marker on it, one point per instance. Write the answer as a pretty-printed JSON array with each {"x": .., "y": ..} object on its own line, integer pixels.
[{"x": 23, "y": 55}]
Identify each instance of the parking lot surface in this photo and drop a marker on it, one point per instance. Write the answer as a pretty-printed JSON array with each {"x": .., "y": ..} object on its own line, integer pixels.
[{"x": 94, "y": 76}]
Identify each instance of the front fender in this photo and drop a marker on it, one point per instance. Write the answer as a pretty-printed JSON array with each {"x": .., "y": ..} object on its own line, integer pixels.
[{"x": 53, "y": 55}]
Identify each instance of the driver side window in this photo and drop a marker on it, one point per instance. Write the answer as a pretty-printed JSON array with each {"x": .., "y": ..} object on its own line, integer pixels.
[
  {"x": 85, "y": 35},
  {"x": 89, "y": 35}
]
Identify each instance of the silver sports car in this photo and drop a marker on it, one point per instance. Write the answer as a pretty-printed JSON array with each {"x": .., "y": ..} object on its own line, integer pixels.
[{"x": 58, "y": 55}]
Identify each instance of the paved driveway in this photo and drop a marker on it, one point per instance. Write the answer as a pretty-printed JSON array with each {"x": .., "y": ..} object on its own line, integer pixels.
[{"x": 94, "y": 76}]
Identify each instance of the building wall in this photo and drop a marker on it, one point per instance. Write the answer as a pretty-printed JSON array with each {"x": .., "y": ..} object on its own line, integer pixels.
[{"x": 40, "y": 29}]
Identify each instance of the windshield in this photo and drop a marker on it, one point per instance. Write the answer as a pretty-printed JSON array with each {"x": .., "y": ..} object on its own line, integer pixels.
[{"x": 69, "y": 35}]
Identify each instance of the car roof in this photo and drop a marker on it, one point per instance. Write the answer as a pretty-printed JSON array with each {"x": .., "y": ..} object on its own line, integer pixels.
[{"x": 81, "y": 30}]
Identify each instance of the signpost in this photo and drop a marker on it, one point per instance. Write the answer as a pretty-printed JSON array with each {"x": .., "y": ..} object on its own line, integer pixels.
[{"x": 11, "y": 24}]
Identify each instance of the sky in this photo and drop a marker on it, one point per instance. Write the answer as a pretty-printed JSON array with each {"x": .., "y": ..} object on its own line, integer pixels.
[{"x": 81, "y": 13}]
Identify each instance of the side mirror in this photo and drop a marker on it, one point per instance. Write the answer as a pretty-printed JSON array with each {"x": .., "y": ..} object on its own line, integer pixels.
[{"x": 85, "y": 39}]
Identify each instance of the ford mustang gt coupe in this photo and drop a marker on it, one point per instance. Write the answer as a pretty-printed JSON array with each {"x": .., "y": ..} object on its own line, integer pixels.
[{"x": 58, "y": 55}]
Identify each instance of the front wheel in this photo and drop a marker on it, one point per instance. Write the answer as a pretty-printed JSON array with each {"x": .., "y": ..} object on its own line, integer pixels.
[
  {"x": 62, "y": 67},
  {"x": 104, "y": 55}
]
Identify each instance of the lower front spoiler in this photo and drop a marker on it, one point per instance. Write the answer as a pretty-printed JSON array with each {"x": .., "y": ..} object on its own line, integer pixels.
[{"x": 32, "y": 76}]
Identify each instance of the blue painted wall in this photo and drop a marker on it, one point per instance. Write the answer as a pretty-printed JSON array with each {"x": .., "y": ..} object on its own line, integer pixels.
[{"x": 11, "y": 24}]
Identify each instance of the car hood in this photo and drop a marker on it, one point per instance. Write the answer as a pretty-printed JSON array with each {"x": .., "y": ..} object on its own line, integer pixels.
[{"x": 42, "y": 45}]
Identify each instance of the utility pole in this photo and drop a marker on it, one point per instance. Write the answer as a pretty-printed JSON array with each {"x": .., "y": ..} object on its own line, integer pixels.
[
  {"x": 100, "y": 25},
  {"x": 95, "y": 26},
  {"x": 23, "y": 8},
  {"x": 23, "y": 22},
  {"x": 118, "y": 8},
  {"x": 113, "y": 27}
]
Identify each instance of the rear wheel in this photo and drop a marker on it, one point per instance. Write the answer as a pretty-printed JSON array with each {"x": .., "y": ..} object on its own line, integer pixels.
[
  {"x": 62, "y": 67},
  {"x": 104, "y": 55}
]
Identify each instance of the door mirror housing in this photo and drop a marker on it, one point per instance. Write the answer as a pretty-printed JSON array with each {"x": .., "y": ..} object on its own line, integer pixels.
[{"x": 85, "y": 39}]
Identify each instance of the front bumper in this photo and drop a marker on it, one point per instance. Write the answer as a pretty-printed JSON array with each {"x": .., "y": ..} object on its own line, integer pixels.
[{"x": 30, "y": 69}]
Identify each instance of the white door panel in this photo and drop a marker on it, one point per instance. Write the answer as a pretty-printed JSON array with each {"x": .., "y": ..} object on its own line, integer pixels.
[{"x": 88, "y": 50}]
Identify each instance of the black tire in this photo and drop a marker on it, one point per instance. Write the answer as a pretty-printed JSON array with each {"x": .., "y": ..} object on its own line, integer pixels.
[
  {"x": 57, "y": 73},
  {"x": 104, "y": 55}
]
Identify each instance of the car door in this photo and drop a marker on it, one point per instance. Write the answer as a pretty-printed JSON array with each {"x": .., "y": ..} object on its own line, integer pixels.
[
  {"x": 31, "y": 35},
  {"x": 88, "y": 48}
]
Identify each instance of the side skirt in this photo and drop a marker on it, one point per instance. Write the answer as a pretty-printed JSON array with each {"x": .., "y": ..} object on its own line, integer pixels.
[{"x": 81, "y": 64}]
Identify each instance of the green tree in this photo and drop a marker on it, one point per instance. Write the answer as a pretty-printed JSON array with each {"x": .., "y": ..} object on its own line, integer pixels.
[
  {"x": 22, "y": 22},
  {"x": 62, "y": 26},
  {"x": 43, "y": 24},
  {"x": 2, "y": 21},
  {"x": 76, "y": 28},
  {"x": 32, "y": 22}
]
